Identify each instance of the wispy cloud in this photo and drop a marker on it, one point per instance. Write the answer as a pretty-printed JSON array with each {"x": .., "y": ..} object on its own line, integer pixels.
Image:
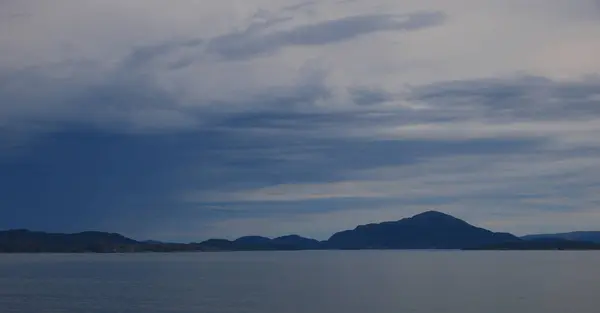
[{"x": 253, "y": 42}]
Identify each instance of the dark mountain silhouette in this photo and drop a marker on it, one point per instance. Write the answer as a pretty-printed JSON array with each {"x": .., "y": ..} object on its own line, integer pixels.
[
  {"x": 30, "y": 241},
  {"x": 252, "y": 240},
  {"x": 297, "y": 241},
  {"x": 217, "y": 245},
  {"x": 590, "y": 236},
  {"x": 428, "y": 230}
]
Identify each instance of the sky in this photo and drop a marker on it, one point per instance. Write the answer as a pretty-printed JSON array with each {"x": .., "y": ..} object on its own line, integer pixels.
[{"x": 191, "y": 119}]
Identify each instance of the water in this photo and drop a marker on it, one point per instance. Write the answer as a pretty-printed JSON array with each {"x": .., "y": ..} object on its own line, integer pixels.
[{"x": 311, "y": 282}]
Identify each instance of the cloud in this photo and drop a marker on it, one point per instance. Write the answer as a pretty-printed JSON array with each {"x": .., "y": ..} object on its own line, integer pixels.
[
  {"x": 175, "y": 77},
  {"x": 366, "y": 96},
  {"x": 521, "y": 96},
  {"x": 563, "y": 112},
  {"x": 253, "y": 42},
  {"x": 447, "y": 177},
  {"x": 224, "y": 117}
]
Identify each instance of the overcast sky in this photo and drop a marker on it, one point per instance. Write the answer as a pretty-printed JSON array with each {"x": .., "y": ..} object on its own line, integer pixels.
[{"x": 190, "y": 119}]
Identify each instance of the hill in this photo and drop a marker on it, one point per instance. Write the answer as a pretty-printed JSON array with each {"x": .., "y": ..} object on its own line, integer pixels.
[
  {"x": 428, "y": 230},
  {"x": 31, "y": 241}
]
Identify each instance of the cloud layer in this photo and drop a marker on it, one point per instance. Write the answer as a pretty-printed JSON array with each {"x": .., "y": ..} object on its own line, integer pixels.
[{"x": 232, "y": 117}]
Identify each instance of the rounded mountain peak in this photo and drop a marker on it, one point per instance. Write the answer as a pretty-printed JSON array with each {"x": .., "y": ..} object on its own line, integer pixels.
[{"x": 433, "y": 214}]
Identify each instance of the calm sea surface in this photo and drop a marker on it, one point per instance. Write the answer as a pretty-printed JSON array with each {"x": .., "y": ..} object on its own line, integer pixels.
[{"x": 311, "y": 282}]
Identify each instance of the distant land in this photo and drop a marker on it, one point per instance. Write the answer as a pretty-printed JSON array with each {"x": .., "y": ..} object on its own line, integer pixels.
[
  {"x": 428, "y": 230},
  {"x": 541, "y": 244},
  {"x": 590, "y": 236}
]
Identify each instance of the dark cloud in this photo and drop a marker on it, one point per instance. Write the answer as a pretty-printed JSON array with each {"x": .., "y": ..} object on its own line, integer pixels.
[
  {"x": 253, "y": 42},
  {"x": 86, "y": 179},
  {"x": 521, "y": 97},
  {"x": 121, "y": 100},
  {"x": 141, "y": 56},
  {"x": 367, "y": 96},
  {"x": 82, "y": 179}
]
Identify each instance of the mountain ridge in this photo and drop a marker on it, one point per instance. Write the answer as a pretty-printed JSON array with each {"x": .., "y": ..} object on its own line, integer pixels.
[{"x": 426, "y": 230}]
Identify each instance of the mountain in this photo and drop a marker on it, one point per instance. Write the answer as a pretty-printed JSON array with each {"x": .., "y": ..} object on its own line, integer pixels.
[
  {"x": 542, "y": 244},
  {"x": 428, "y": 230},
  {"x": 252, "y": 240},
  {"x": 22, "y": 240},
  {"x": 297, "y": 241},
  {"x": 217, "y": 245},
  {"x": 590, "y": 236}
]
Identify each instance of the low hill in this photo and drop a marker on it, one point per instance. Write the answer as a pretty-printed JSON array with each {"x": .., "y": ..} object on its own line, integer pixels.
[
  {"x": 258, "y": 243},
  {"x": 590, "y": 236},
  {"x": 30, "y": 241},
  {"x": 542, "y": 244},
  {"x": 26, "y": 241},
  {"x": 297, "y": 241}
]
